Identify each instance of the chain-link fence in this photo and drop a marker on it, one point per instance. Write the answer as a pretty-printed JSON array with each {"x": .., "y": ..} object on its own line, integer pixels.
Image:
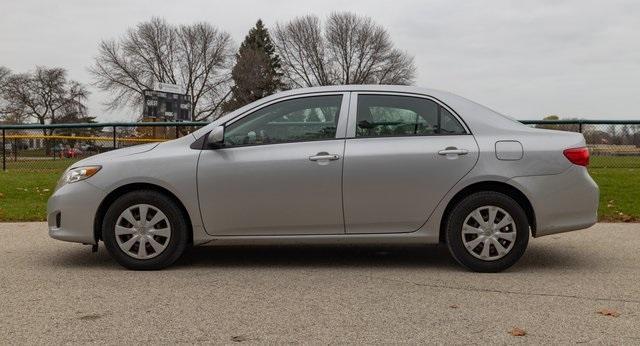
[
  {"x": 613, "y": 144},
  {"x": 55, "y": 147}
]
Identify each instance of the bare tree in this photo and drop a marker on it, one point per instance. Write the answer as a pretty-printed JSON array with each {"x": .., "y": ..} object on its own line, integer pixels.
[
  {"x": 350, "y": 49},
  {"x": 301, "y": 46},
  {"x": 44, "y": 95},
  {"x": 196, "y": 57},
  {"x": 4, "y": 74}
]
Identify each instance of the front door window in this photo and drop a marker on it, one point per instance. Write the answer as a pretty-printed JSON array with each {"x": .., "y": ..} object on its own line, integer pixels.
[{"x": 297, "y": 120}]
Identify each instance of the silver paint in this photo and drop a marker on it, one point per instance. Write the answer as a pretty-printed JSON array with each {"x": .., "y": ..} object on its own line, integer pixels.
[{"x": 345, "y": 189}]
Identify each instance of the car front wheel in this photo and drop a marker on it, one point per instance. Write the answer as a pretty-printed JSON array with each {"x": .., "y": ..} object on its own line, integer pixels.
[
  {"x": 487, "y": 231},
  {"x": 144, "y": 230}
]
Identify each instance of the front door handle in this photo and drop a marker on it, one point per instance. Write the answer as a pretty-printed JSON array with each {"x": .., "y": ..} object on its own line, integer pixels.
[
  {"x": 453, "y": 151},
  {"x": 324, "y": 156}
]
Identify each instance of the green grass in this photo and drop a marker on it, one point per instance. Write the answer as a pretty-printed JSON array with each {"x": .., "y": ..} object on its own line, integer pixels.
[
  {"x": 24, "y": 194},
  {"x": 24, "y": 191},
  {"x": 619, "y": 192},
  {"x": 26, "y": 186},
  {"x": 33, "y": 153},
  {"x": 596, "y": 161},
  {"x": 47, "y": 165}
]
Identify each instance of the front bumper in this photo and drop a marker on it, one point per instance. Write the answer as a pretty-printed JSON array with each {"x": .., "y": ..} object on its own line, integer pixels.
[
  {"x": 71, "y": 211},
  {"x": 561, "y": 202}
]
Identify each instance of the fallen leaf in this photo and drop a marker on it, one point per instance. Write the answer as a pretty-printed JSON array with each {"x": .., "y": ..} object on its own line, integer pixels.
[
  {"x": 608, "y": 312},
  {"x": 239, "y": 338},
  {"x": 515, "y": 331},
  {"x": 90, "y": 317}
]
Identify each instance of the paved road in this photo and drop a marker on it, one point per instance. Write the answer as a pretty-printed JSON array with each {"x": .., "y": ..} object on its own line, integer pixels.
[{"x": 55, "y": 292}]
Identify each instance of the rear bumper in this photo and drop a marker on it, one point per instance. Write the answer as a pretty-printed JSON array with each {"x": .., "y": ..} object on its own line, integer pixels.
[
  {"x": 71, "y": 211},
  {"x": 561, "y": 202}
]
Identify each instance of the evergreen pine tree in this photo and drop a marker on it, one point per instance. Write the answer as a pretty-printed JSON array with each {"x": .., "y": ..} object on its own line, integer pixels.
[{"x": 257, "y": 72}]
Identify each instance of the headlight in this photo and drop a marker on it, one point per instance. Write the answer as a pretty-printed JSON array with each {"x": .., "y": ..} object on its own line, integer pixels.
[{"x": 78, "y": 173}]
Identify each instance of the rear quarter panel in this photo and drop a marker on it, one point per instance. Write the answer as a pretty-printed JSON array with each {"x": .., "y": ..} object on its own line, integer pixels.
[{"x": 542, "y": 156}]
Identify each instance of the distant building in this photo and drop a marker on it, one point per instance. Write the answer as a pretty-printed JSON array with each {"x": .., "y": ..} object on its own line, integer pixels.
[{"x": 36, "y": 143}]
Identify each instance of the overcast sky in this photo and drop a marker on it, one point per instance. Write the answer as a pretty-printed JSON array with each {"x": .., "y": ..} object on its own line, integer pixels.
[{"x": 526, "y": 59}]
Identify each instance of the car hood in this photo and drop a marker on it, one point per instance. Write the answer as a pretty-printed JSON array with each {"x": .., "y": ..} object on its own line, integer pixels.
[{"x": 101, "y": 158}]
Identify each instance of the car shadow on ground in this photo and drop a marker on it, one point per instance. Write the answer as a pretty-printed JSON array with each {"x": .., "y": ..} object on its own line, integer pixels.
[
  {"x": 437, "y": 258},
  {"x": 316, "y": 256}
]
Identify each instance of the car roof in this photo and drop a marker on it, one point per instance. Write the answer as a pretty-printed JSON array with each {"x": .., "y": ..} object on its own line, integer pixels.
[{"x": 360, "y": 87}]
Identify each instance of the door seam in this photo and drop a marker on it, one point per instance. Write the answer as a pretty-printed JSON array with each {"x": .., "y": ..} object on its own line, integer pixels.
[{"x": 344, "y": 158}]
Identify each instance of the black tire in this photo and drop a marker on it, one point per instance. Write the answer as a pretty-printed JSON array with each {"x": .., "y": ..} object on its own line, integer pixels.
[
  {"x": 177, "y": 242},
  {"x": 454, "y": 225}
]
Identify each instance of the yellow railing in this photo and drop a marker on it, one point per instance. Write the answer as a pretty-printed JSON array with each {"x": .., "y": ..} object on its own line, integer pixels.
[{"x": 86, "y": 138}]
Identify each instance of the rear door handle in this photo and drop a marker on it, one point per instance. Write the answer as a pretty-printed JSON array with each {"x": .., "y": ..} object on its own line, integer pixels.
[
  {"x": 453, "y": 151},
  {"x": 324, "y": 156}
]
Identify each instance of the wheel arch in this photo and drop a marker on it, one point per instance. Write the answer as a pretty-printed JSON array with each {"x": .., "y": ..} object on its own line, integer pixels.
[
  {"x": 495, "y": 186},
  {"x": 121, "y": 190}
]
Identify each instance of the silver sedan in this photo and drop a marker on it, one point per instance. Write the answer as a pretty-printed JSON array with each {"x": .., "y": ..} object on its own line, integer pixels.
[{"x": 342, "y": 164}]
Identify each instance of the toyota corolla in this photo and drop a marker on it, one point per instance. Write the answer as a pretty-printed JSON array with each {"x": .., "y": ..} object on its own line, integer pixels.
[{"x": 342, "y": 164}]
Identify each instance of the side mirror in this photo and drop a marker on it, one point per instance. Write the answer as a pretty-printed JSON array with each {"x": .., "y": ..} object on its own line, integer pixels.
[{"x": 216, "y": 137}]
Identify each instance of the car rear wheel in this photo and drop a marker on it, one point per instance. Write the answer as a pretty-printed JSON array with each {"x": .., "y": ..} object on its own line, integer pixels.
[
  {"x": 144, "y": 230},
  {"x": 487, "y": 232}
]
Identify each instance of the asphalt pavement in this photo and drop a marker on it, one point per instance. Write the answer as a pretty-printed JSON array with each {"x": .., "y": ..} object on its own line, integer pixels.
[{"x": 560, "y": 292}]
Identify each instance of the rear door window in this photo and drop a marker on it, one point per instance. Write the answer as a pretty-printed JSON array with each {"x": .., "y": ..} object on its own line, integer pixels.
[{"x": 392, "y": 115}]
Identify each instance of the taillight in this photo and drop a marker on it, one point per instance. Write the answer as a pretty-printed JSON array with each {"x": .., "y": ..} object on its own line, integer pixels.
[{"x": 578, "y": 156}]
